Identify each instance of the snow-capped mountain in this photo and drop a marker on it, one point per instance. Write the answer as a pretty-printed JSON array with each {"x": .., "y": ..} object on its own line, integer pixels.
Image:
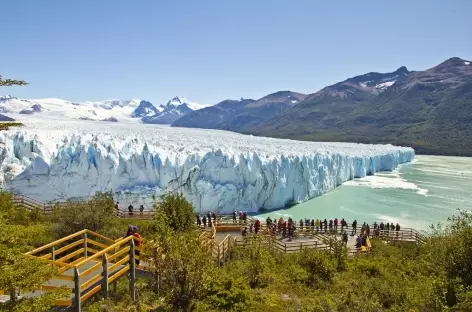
[
  {"x": 109, "y": 110},
  {"x": 171, "y": 111},
  {"x": 145, "y": 108}
]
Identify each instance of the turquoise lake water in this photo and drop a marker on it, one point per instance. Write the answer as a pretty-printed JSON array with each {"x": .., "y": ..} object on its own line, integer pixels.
[{"x": 426, "y": 191}]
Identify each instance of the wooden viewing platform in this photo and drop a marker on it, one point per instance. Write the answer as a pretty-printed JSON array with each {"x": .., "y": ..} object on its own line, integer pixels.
[{"x": 88, "y": 263}]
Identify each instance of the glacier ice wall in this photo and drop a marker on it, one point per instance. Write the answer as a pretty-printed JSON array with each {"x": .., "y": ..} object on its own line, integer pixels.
[{"x": 215, "y": 170}]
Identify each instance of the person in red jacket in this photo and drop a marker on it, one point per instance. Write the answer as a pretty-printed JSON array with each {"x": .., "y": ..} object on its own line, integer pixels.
[
  {"x": 336, "y": 224},
  {"x": 257, "y": 226},
  {"x": 137, "y": 243}
]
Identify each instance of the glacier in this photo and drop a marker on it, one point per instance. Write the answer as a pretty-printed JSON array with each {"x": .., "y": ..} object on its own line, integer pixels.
[{"x": 215, "y": 170}]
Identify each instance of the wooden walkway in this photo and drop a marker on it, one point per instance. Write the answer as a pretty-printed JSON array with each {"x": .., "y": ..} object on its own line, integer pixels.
[{"x": 88, "y": 263}]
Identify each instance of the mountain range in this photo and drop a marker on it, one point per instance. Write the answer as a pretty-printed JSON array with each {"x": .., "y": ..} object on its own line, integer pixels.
[
  {"x": 429, "y": 110},
  {"x": 108, "y": 110}
]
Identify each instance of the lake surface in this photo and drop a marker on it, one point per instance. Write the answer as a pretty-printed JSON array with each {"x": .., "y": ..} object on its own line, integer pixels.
[{"x": 427, "y": 191}]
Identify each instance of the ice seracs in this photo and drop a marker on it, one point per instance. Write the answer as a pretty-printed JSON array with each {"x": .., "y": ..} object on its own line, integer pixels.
[{"x": 214, "y": 170}]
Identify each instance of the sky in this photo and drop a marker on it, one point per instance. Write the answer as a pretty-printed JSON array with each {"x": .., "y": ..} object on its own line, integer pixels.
[{"x": 211, "y": 50}]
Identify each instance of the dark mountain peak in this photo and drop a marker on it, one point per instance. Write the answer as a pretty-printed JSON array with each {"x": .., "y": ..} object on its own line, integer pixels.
[
  {"x": 402, "y": 70},
  {"x": 453, "y": 64},
  {"x": 145, "y": 108},
  {"x": 6, "y": 118}
]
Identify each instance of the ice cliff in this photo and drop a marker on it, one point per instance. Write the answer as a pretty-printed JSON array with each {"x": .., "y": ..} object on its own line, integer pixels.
[{"x": 213, "y": 169}]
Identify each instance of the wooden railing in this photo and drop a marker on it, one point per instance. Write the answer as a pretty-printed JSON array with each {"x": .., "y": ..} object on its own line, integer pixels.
[
  {"x": 87, "y": 263},
  {"x": 405, "y": 234}
]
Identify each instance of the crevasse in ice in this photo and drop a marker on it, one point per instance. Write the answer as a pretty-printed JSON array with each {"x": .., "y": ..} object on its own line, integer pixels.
[{"x": 214, "y": 170}]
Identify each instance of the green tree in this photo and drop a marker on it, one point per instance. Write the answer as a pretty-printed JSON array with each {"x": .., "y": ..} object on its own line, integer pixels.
[
  {"x": 18, "y": 271},
  {"x": 179, "y": 260},
  {"x": 256, "y": 260},
  {"x": 11, "y": 82},
  {"x": 175, "y": 212},
  {"x": 95, "y": 215},
  {"x": 319, "y": 266}
]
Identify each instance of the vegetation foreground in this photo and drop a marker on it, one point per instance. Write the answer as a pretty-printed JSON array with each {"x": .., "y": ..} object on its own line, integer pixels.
[{"x": 395, "y": 277}]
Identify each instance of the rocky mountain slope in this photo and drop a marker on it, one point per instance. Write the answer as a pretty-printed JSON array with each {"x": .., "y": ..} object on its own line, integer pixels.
[
  {"x": 429, "y": 110},
  {"x": 243, "y": 114},
  {"x": 213, "y": 117}
]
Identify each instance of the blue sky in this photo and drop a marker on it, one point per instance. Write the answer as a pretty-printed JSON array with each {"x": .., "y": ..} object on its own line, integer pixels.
[{"x": 210, "y": 50}]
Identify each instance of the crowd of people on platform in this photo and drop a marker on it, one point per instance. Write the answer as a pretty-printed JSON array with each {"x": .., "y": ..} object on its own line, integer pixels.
[
  {"x": 130, "y": 209},
  {"x": 286, "y": 229}
]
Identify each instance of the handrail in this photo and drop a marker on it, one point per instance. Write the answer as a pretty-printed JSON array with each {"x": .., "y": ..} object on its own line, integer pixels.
[
  {"x": 101, "y": 236},
  {"x": 56, "y": 242},
  {"x": 104, "y": 251}
]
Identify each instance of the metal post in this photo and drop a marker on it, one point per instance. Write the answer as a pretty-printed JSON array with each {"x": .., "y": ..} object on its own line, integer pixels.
[
  {"x": 85, "y": 244},
  {"x": 53, "y": 255},
  {"x": 132, "y": 269},
  {"x": 77, "y": 292},
  {"x": 105, "y": 276},
  {"x": 13, "y": 295}
]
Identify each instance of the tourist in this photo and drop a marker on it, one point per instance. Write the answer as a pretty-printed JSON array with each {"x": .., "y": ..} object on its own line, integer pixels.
[
  {"x": 251, "y": 228},
  {"x": 284, "y": 229},
  {"x": 312, "y": 224},
  {"x": 244, "y": 217},
  {"x": 244, "y": 232},
  {"x": 257, "y": 226},
  {"x": 387, "y": 227},
  {"x": 345, "y": 238},
  {"x": 343, "y": 224},
  {"x": 234, "y": 217},
  {"x": 199, "y": 221},
  {"x": 214, "y": 217},
  {"x": 301, "y": 223},
  {"x": 268, "y": 221},
  {"x": 209, "y": 222},
  {"x": 317, "y": 225},
  {"x": 354, "y": 227},
  {"x": 280, "y": 225},
  {"x": 130, "y": 209},
  {"x": 377, "y": 232},
  {"x": 375, "y": 225},
  {"x": 330, "y": 225},
  {"x": 397, "y": 227},
  {"x": 336, "y": 224},
  {"x": 117, "y": 208},
  {"x": 209, "y": 218},
  {"x": 392, "y": 226},
  {"x": 325, "y": 225},
  {"x": 382, "y": 226},
  {"x": 141, "y": 210},
  {"x": 204, "y": 220},
  {"x": 358, "y": 242},
  {"x": 137, "y": 243},
  {"x": 129, "y": 231},
  {"x": 367, "y": 230}
]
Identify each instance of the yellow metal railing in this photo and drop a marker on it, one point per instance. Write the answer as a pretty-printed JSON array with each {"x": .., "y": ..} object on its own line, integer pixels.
[{"x": 89, "y": 261}]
